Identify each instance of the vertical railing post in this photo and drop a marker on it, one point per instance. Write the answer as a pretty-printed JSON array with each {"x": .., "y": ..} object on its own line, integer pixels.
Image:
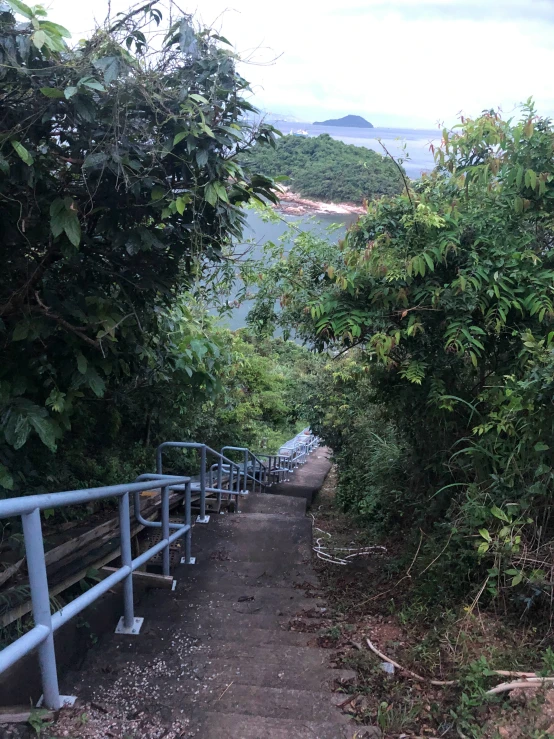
[
  {"x": 36, "y": 566},
  {"x": 238, "y": 490},
  {"x": 202, "y": 518},
  {"x": 126, "y": 560},
  {"x": 220, "y": 474},
  {"x": 245, "y": 473},
  {"x": 188, "y": 522},
  {"x": 165, "y": 529}
]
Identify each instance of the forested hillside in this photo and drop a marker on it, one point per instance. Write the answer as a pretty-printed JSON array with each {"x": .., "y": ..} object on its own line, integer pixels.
[
  {"x": 325, "y": 169},
  {"x": 120, "y": 202}
]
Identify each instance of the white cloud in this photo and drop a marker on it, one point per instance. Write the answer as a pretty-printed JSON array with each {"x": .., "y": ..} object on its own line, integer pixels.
[{"x": 397, "y": 62}]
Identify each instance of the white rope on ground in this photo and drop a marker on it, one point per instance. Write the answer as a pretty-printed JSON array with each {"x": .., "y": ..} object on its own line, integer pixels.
[{"x": 332, "y": 553}]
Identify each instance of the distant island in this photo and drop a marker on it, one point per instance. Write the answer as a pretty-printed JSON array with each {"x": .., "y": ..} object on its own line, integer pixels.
[
  {"x": 354, "y": 121},
  {"x": 323, "y": 169}
]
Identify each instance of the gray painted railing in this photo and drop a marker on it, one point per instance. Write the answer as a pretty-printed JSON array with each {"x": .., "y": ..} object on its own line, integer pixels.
[{"x": 41, "y": 636}]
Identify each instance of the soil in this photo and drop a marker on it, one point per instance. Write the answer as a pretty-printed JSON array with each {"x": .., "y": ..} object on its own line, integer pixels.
[{"x": 371, "y": 598}]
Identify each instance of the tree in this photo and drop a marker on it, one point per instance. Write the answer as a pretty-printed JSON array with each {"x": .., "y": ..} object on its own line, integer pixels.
[
  {"x": 446, "y": 291},
  {"x": 119, "y": 183}
]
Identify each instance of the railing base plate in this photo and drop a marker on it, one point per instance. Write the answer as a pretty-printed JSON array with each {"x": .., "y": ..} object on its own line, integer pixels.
[
  {"x": 192, "y": 561},
  {"x": 206, "y": 519},
  {"x": 133, "y": 630},
  {"x": 66, "y": 701}
]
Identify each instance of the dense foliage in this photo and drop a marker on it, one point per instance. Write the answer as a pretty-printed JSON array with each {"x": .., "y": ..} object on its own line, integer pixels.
[
  {"x": 325, "y": 169},
  {"x": 119, "y": 187},
  {"x": 440, "y": 410}
]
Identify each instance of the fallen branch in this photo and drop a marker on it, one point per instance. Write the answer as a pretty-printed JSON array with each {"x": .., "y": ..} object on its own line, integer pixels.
[
  {"x": 532, "y": 682},
  {"x": 405, "y": 669},
  {"x": 531, "y": 679}
]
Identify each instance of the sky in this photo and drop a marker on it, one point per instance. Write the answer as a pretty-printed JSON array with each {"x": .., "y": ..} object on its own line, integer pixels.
[{"x": 398, "y": 63}]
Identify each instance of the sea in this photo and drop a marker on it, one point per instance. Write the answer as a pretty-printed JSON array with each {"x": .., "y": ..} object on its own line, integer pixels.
[{"x": 411, "y": 146}]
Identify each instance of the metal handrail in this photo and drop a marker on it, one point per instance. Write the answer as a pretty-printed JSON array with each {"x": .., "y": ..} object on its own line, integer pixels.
[
  {"x": 42, "y": 634},
  {"x": 247, "y": 455},
  {"x": 204, "y": 450},
  {"x": 29, "y": 508}
]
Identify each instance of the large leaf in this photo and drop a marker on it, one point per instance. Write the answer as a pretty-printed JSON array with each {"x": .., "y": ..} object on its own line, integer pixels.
[
  {"x": 110, "y": 67},
  {"x": 22, "y": 152}
]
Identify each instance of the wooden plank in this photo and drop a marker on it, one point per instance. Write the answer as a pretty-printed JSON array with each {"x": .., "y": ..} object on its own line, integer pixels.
[
  {"x": 144, "y": 578},
  {"x": 150, "y": 512},
  {"x": 22, "y": 714}
]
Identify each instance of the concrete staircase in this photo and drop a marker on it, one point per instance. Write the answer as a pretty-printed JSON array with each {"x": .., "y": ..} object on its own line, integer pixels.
[{"x": 218, "y": 650}]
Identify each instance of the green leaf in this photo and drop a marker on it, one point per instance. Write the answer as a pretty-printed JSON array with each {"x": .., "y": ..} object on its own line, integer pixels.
[
  {"x": 70, "y": 91},
  {"x": 110, "y": 67},
  {"x": 181, "y": 203},
  {"x": 210, "y": 194},
  {"x": 38, "y": 38},
  {"x": 95, "y": 382},
  {"x": 52, "y": 92},
  {"x": 179, "y": 137},
  {"x": 45, "y": 429},
  {"x": 540, "y": 446},
  {"x": 157, "y": 193},
  {"x": 517, "y": 579},
  {"x": 6, "y": 480},
  {"x": 82, "y": 363},
  {"x": 55, "y": 28},
  {"x": 20, "y": 8},
  {"x": 94, "y": 85},
  {"x": 221, "y": 191},
  {"x": 22, "y": 152},
  {"x": 498, "y": 513},
  {"x": 72, "y": 228},
  {"x": 485, "y": 534},
  {"x": 21, "y": 331},
  {"x": 198, "y": 98}
]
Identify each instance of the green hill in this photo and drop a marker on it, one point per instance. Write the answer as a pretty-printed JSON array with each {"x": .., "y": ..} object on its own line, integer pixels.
[
  {"x": 325, "y": 169},
  {"x": 354, "y": 121}
]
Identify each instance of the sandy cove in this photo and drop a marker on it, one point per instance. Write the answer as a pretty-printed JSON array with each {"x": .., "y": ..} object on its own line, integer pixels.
[{"x": 293, "y": 204}]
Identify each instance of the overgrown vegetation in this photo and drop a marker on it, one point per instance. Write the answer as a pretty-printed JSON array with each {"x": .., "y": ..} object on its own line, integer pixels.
[
  {"x": 120, "y": 199},
  {"x": 440, "y": 410},
  {"x": 325, "y": 169}
]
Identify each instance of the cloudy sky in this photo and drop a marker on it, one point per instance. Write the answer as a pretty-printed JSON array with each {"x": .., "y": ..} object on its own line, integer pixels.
[{"x": 409, "y": 63}]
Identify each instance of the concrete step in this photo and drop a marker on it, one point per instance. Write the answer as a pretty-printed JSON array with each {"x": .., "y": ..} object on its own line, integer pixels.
[
  {"x": 269, "y": 573},
  {"x": 271, "y": 702},
  {"x": 300, "y": 658},
  {"x": 267, "y": 503},
  {"x": 225, "y": 588},
  {"x": 238, "y": 726},
  {"x": 255, "y": 537},
  {"x": 221, "y": 671},
  {"x": 222, "y": 621},
  {"x": 243, "y": 600}
]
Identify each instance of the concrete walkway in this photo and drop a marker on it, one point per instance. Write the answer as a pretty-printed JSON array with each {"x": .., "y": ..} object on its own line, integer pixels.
[{"x": 216, "y": 658}]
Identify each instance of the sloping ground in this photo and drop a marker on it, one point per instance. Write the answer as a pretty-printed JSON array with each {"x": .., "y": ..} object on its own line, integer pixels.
[{"x": 216, "y": 658}]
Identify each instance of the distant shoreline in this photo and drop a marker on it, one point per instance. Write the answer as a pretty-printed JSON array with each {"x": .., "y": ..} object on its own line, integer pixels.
[{"x": 295, "y": 205}]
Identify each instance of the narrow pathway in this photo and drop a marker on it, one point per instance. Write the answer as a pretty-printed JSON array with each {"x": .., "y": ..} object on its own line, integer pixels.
[{"x": 216, "y": 658}]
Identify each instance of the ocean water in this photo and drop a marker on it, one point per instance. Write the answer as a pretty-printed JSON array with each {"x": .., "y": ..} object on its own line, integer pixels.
[
  {"x": 258, "y": 232},
  {"x": 410, "y": 144}
]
